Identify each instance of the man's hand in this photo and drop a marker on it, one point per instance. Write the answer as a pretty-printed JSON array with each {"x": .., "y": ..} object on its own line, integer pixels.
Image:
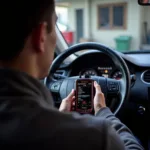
[
  {"x": 99, "y": 99},
  {"x": 67, "y": 102}
]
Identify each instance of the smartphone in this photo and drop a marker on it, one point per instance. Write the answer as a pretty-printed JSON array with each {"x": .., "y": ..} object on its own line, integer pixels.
[{"x": 84, "y": 95}]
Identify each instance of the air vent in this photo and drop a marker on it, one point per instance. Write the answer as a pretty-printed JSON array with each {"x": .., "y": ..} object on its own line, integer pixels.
[{"x": 146, "y": 76}]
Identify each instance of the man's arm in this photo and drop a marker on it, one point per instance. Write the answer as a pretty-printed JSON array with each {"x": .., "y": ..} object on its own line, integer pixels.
[
  {"x": 125, "y": 134},
  {"x": 97, "y": 134},
  {"x": 102, "y": 111},
  {"x": 111, "y": 140}
]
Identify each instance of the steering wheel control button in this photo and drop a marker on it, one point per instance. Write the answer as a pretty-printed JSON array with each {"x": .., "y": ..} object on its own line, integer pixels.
[
  {"x": 55, "y": 87},
  {"x": 113, "y": 87}
]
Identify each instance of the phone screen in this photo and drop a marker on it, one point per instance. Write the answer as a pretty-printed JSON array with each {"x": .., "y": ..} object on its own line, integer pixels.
[{"x": 84, "y": 95}]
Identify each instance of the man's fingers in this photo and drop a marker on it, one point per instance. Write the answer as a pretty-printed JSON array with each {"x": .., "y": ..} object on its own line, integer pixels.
[
  {"x": 71, "y": 95},
  {"x": 97, "y": 87}
]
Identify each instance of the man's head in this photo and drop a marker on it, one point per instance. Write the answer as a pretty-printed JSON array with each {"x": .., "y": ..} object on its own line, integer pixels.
[{"x": 28, "y": 35}]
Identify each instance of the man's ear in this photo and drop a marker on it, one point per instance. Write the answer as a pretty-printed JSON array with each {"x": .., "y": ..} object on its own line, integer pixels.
[{"x": 39, "y": 37}]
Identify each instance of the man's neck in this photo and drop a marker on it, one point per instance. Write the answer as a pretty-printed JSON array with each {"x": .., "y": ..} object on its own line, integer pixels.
[{"x": 20, "y": 65}]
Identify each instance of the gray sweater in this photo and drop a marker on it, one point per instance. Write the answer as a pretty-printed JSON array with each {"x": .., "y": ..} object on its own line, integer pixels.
[{"x": 28, "y": 120}]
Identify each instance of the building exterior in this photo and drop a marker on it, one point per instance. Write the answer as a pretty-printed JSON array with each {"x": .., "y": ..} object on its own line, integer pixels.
[{"x": 104, "y": 20}]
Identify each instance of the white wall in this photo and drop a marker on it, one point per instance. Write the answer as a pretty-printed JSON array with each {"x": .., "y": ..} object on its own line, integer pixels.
[
  {"x": 133, "y": 26},
  {"x": 62, "y": 13}
]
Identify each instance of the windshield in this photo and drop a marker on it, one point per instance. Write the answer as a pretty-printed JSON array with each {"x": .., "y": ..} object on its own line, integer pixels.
[{"x": 123, "y": 25}]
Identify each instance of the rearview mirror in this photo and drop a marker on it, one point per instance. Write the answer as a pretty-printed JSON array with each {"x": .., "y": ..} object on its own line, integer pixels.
[{"x": 144, "y": 2}]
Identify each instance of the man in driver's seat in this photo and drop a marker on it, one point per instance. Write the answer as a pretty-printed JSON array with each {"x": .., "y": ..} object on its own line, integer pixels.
[{"x": 28, "y": 119}]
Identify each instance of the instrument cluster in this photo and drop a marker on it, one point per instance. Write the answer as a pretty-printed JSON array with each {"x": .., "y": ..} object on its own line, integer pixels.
[{"x": 107, "y": 72}]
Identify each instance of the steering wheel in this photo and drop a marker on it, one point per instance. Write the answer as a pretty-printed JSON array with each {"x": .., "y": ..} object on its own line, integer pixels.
[{"x": 62, "y": 87}]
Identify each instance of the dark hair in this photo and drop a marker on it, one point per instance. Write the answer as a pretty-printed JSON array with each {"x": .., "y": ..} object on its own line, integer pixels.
[{"x": 19, "y": 19}]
